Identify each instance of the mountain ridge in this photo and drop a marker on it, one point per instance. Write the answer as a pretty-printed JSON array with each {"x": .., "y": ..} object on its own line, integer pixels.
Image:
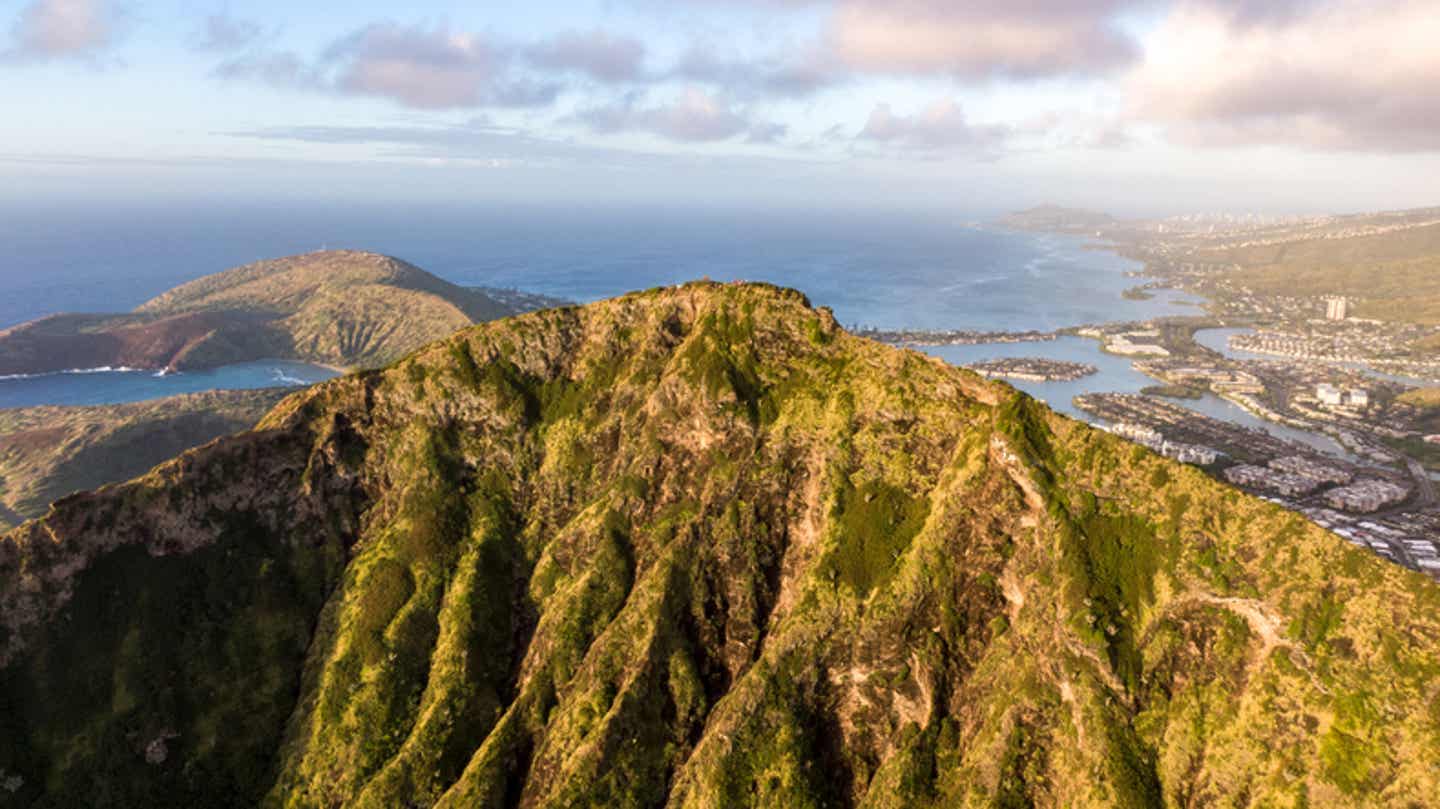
[
  {"x": 691, "y": 547},
  {"x": 47, "y": 452}
]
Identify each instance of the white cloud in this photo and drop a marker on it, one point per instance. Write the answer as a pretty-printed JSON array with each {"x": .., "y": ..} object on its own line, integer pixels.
[
  {"x": 422, "y": 68},
  {"x": 1348, "y": 74},
  {"x": 430, "y": 68},
  {"x": 600, "y": 55},
  {"x": 694, "y": 116},
  {"x": 940, "y": 127},
  {"x": 50, "y": 29},
  {"x": 977, "y": 40},
  {"x": 971, "y": 39},
  {"x": 222, "y": 32}
]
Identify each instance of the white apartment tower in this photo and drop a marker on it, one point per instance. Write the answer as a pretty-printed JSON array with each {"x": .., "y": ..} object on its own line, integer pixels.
[{"x": 1337, "y": 308}]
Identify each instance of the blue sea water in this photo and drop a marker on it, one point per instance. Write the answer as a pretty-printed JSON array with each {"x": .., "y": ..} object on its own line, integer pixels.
[
  {"x": 109, "y": 387},
  {"x": 879, "y": 269},
  {"x": 1117, "y": 375},
  {"x": 874, "y": 269}
]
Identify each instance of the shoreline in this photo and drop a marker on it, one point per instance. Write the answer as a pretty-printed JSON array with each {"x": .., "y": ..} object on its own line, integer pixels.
[
  {"x": 112, "y": 386},
  {"x": 1152, "y": 281},
  {"x": 160, "y": 373}
]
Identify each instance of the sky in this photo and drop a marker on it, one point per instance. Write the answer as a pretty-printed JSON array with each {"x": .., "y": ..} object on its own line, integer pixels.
[{"x": 1140, "y": 107}]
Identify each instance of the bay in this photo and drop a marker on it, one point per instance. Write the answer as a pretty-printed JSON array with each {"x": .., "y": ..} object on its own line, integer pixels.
[{"x": 91, "y": 387}]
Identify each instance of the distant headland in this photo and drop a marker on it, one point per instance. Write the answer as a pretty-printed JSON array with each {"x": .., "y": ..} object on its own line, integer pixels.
[{"x": 340, "y": 308}]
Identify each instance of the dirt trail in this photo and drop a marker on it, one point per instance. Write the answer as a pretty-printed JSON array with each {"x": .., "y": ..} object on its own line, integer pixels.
[{"x": 1263, "y": 623}]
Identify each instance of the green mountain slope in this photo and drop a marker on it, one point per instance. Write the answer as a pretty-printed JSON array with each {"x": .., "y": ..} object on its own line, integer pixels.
[
  {"x": 1392, "y": 276},
  {"x": 340, "y": 307},
  {"x": 49, "y": 452},
  {"x": 699, "y": 547}
]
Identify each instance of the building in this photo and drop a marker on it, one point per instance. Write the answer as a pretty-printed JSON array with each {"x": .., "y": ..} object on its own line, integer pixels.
[
  {"x": 1359, "y": 397},
  {"x": 1337, "y": 308},
  {"x": 1121, "y": 344},
  {"x": 1305, "y": 467},
  {"x": 1282, "y": 483},
  {"x": 1328, "y": 394},
  {"x": 1366, "y": 496},
  {"x": 1190, "y": 453},
  {"x": 1139, "y": 433}
]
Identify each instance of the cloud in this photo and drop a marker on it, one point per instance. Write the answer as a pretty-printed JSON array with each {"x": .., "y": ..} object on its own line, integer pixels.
[
  {"x": 985, "y": 39},
  {"x": 439, "y": 68},
  {"x": 1344, "y": 75},
  {"x": 54, "y": 29},
  {"x": 974, "y": 39},
  {"x": 477, "y": 139},
  {"x": 599, "y": 55},
  {"x": 276, "y": 68},
  {"x": 486, "y": 143},
  {"x": 223, "y": 33},
  {"x": 939, "y": 127},
  {"x": 788, "y": 76},
  {"x": 422, "y": 68},
  {"x": 431, "y": 69},
  {"x": 693, "y": 116}
]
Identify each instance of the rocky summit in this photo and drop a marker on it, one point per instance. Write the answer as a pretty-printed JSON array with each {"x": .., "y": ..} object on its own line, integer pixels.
[{"x": 699, "y": 547}]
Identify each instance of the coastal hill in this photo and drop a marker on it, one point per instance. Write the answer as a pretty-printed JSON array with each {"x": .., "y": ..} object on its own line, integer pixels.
[
  {"x": 1057, "y": 219},
  {"x": 343, "y": 308},
  {"x": 1392, "y": 275},
  {"x": 699, "y": 547},
  {"x": 49, "y": 452}
]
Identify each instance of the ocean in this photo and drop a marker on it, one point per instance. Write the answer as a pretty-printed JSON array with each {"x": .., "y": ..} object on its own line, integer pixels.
[{"x": 887, "y": 270}]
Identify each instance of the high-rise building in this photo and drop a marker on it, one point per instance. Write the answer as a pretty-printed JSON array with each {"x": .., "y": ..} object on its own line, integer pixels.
[{"x": 1337, "y": 308}]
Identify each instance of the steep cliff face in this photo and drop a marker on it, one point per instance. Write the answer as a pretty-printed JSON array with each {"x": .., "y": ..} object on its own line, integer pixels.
[{"x": 699, "y": 547}]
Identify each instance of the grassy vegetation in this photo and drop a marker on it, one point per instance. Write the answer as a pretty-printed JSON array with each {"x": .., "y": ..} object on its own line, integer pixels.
[
  {"x": 1394, "y": 276},
  {"x": 697, "y": 547},
  {"x": 200, "y": 665},
  {"x": 342, "y": 308},
  {"x": 47, "y": 453},
  {"x": 1423, "y": 398},
  {"x": 874, "y": 524}
]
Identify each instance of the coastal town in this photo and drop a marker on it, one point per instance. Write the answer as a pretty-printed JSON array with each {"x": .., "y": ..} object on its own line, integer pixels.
[{"x": 1345, "y": 397}]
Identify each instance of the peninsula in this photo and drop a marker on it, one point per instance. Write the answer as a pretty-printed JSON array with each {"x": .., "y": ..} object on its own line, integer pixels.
[{"x": 342, "y": 308}]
